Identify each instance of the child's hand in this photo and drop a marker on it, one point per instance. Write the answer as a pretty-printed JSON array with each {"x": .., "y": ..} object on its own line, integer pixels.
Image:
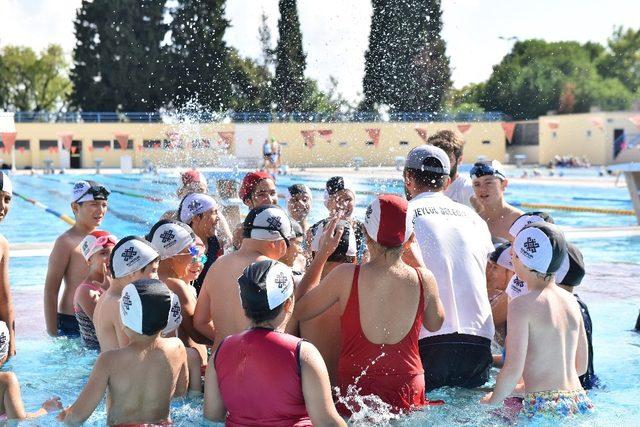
[
  {"x": 53, "y": 404},
  {"x": 330, "y": 237},
  {"x": 486, "y": 399},
  {"x": 63, "y": 414}
]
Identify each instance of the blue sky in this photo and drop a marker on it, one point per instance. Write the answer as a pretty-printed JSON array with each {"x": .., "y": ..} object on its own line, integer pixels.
[{"x": 335, "y": 32}]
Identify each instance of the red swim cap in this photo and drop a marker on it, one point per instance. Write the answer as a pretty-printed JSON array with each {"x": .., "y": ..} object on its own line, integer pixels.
[
  {"x": 387, "y": 221},
  {"x": 250, "y": 181},
  {"x": 191, "y": 176}
]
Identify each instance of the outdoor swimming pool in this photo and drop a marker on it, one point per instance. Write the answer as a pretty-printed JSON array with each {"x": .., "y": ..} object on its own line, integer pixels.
[{"x": 60, "y": 367}]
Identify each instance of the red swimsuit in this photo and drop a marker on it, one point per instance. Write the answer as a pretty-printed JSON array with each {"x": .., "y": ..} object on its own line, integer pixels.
[{"x": 397, "y": 377}]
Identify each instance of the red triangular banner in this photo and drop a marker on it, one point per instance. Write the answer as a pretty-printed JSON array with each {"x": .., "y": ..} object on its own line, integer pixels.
[
  {"x": 464, "y": 127},
  {"x": 123, "y": 139},
  {"x": 139, "y": 147},
  {"x": 508, "y": 129},
  {"x": 326, "y": 134},
  {"x": 374, "y": 134},
  {"x": 90, "y": 148},
  {"x": 74, "y": 149},
  {"x": 107, "y": 148},
  {"x": 8, "y": 140},
  {"x": 635, "y": 120},
  {"x": 553, "y": 124},
  {"x": 156, "y": 146},
  {"x": 423, "y": 133},
  {"x": 67, "y": 139},
  {"x": 21, "y": 150},
  {"x": 309, "y": 138},
  {"x": 227, "y": 137}
]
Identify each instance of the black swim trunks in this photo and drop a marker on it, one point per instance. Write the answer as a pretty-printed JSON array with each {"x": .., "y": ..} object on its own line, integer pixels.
[
  {"x": 68, "y": 326},
  {"x": 455, "y": 360},
  {"x": 589, "y": 380}
]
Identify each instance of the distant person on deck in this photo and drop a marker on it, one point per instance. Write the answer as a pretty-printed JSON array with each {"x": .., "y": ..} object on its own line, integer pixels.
[
  {"x": 451, "y": 142},
  {"x": 6, "y": 301},
  {"x": 89, "y": 205}
]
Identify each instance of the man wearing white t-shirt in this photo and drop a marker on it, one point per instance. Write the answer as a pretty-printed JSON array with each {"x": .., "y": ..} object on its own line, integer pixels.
[
  {"x": 455, "y": 243},
  {"x": 461, "y": 188}
]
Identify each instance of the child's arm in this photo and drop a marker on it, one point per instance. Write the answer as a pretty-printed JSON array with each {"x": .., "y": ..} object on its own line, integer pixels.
[
  {"x": 188, "y": 306},
  {"x": 92, "y": 393},
  {"x": 433, "y": 308},
  {"x": 6, "y": 308},
  {"x": 516, "y": 342},
  {"x": 582, "y": 355},
  {"x": 214, "y": 409},
  {"x": 202, "y": 313},
  {"x": 328, "y": 243},
  {"x": 13, "y": 405},
  {"x": 58, "y": 261}
]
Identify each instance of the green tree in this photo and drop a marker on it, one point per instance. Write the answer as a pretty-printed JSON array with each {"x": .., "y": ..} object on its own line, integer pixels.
[
  {"x": 290, "y": 60},
  {"x": 465, "y": 99},
  {"x": 33, "y": 82},
  {"x": 406, "y": 66},
  {"x": 264, "y": 37},
  {"x": 537, "y": 77},
  {"x": 199, "y": 57},
  {"x": 622, "y": 60},
  {"x": 117, "y": 58},
  {"x": 251, "y": 84}
]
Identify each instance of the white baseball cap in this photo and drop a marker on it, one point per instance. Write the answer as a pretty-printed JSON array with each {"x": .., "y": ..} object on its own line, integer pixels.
[{"x": 417, "y": 157}]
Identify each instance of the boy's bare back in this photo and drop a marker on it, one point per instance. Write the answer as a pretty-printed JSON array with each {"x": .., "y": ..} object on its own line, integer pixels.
[
  {"x": 556, "y": 334},
  {"x": 142, "y": 381},
  {"x": 106, "y": 319}
]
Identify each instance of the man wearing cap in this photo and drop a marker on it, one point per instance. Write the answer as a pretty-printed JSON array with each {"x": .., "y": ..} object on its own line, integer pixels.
[
  {"x": 201, "y": 213},
  {"x": 451, "y": 142},
  {"x": 489, "y": 184},
  {"x": 142, "y": 378},
  {"x": 89, "y": 205},
  {"x": 6, "y": 301},
  {"x": 258, "y": 188},
  {"x": 218, "y": 313},
  {"x": 132, "y": 258},
  {"x": 299, "y": 202},
  {"x": 546, "y": 340},
  {"x": 454, "y": 242}
]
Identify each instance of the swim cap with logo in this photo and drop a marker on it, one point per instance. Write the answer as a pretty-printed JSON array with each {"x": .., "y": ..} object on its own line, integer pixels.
[
  {"x": 131, "y": 254},
  {"x": 145, "y": 306},
  {"x": 265, "y": 285},
  {"x": 540, "y": 247},
  {"x": 5, "y": 184},
  {"x": 516, "y": 287},
  {"x": 86, "y": 191},
  {"x": 195, "y": 204},
  {"x": 170, "y": 237},
  {"x": 502, "y": 256},
  {"x": 528, "y": 218},
  {"x": 572, "y": 269},
  {"x": 488, "y": 168},
  {"x": 267, "y": 222},
  {"x": 95, "y": 242},
  {"x": 175, "y": 315},
  {"x": 4, "y": 340},
  {"x": 388, "y": 222}
]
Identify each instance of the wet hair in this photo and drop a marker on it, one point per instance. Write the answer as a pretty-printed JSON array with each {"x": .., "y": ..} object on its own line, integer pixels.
[
  {"x": 343, "y": 259},
  {"x": 427, "y": 179},
  {"x": 260, "y": 316},
  {"x": 450, "y": 142}
]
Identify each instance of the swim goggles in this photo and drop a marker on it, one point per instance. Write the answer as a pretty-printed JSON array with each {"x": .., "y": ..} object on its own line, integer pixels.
[
  {"x": 99, "y": 192},
  {"x": 484, "y": 169},
  {"x": 104, "y": 241},
  {"x": 202, "y": 259}
]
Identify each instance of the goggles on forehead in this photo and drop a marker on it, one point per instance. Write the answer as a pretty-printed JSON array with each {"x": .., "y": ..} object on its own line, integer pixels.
[
  {"x": 103, "y": 241},
  {"x": 96, "y": 191},
  {"x": 485, "y": 169}
]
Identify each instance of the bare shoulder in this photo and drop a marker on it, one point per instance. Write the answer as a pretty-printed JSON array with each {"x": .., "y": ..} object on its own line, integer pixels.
[
  {"x": 426, "y": 274},
  {"x": 4, "y": 246},
  {"x": 66, "y": 240},
  {"x": 523, "y": 303},
  {"x": 172, "y": 346},
  {"x": 341, "y": 272}
]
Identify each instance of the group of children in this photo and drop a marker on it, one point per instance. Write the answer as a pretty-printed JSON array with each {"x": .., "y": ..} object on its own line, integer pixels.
[{"x": 275, "y": 312}]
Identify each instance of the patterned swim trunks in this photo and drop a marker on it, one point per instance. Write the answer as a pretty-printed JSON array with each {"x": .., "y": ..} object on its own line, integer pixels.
[{"x": 557, "y": 403}]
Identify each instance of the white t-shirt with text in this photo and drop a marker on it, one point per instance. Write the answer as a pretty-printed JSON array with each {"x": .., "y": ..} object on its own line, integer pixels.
[
  {"x": 460, "y": 190},
  {"x": 455, "y": 242}
]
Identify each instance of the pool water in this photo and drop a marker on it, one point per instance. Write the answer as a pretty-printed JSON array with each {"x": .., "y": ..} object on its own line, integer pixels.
[{"x": 48, "y": 367}]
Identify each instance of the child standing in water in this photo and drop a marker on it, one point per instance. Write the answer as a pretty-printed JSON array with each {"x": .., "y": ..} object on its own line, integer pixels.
[
  {"x": 89, "y": 205},
  {"x": 6, "y": 302},
  {"x": 96, "y": 249},
  {"x": 546, "y": 341},
  {"x": 143, "y": 377}
]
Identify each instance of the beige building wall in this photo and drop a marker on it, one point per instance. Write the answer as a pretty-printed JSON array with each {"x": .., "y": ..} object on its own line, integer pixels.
[
  {"x": 589, "y": 134},
  {"x": 349, "y": 140}
]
